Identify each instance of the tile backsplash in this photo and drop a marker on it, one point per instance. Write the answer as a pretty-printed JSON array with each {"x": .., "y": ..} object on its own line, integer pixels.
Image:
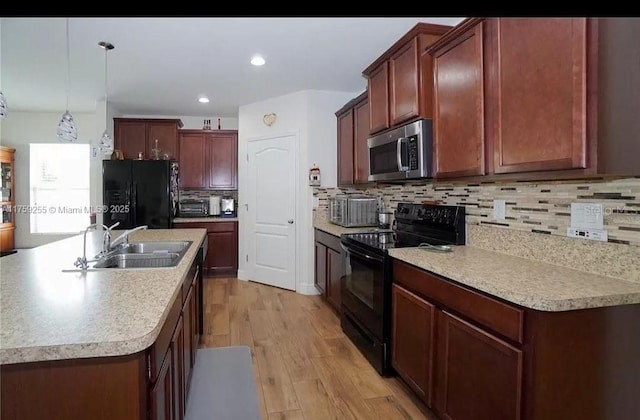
[
  {"x": 204, "y": 195},
  {"x": 543, "y": 207}
]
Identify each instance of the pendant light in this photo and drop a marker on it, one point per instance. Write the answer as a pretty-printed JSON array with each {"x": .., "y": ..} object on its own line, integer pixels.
[
  {"x": 106, "y": 142},
  {"x": 67, "y": 131}
]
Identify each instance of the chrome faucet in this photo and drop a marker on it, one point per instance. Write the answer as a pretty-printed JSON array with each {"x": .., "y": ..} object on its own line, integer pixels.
[
  {"x": 125, "y": 236},
  {"x": 82, "y": 262},
  {"x": 106, "y": 239}
]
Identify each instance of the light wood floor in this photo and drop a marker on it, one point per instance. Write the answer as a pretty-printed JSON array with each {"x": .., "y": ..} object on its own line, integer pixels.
[{"x": 305, "y": 367}]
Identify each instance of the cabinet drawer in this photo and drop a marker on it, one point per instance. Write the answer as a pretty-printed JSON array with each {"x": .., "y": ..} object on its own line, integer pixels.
[
  {"x": 328, "y": 240},
  {"x": 210, "y": 226},
  {"x": 491, "y": 313},
  {"x": 160, "y": 347}
]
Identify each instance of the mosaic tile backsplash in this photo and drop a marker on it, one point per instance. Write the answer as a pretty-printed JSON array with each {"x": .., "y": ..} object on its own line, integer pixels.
[
  {"x": 204, "y": 195},
  {"x": 543, "y": 208}
]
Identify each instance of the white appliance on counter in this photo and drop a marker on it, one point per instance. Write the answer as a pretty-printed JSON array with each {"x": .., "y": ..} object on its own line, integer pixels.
[{"x": 214, "y": 205}]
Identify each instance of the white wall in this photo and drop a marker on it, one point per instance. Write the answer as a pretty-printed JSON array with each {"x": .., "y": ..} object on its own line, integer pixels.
[
  {"x": 226, "y": 123},
  {"x": 310, "y": 114},
  {"x": 22, "y": 128}
]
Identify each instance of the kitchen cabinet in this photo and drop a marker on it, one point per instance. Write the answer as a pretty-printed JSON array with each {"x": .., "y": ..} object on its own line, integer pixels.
[
  {"x": 399, "y": 81},
  {"x": 458, "y": 130},
  {"x": 209, "y": 159},
  {"x": 192, "y": 160},
  {"x": 467, "y": 354},
  {"x": 320, "y": 277},
  {"x": 329, "y": 267},
  {"x": 162, "y": 403},
  {"x": 189, "y": 344},
  {"x": 222, "y": 255},
  {"x": 528, "y": 98},
  {"x": 413, "y": 335},
  {"x": 138, "y": 135},
  {"x": 479, "y": 375},
  {"x": 177, "y": 353},
  {"x": 7, "y": 198},
  {"x": 353, "y": 132}
]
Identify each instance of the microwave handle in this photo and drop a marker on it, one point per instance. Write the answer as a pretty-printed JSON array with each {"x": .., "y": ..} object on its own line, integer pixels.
[{"x": 401, "y": 168}]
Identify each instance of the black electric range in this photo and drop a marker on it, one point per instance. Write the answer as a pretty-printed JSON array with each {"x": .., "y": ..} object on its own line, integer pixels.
[{"x": 366, "y": 287}]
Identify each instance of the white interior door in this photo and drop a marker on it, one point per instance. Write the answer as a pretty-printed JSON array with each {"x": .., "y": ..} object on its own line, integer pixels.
[{"x": 271, "y": 211}]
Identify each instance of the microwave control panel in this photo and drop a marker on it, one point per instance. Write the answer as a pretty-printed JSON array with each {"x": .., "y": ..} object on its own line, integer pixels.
[{"x": 412, "y": 152}]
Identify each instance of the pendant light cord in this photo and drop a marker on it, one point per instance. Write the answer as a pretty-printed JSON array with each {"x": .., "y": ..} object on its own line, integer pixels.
[{"x": 68, "y": 66}]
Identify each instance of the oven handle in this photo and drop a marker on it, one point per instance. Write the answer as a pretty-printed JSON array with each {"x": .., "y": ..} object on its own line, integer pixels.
[
  {"x": 359, "y": 254},
  {"x": 401, "y": 168}
]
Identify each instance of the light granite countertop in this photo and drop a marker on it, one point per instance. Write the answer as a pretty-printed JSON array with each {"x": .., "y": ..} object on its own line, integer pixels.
[
  {"x": 209, "y": 219},
  {"x": 529, "y": 283},
  {"x": 320, "y": 222},
  {"x": 47, "y": 314}
]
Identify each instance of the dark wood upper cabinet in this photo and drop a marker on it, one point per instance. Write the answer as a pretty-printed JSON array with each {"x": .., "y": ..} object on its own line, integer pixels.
[
  {"x": 209, "y": 160},
  {"x": 222, "y": 160},
  {"x": 138, "y": 135},
  {"x": 130, "y": 137},
  {"x": 479, "y": 375},
  {"x": 400, "y": 80},
  {"x": 404, "y": 83},
  {"x": 345, "y": 148},
  {"x": 413, "y": 335},
  {"x": 541, "y": 80},
  {"x": 192, "y": 159},
  {"x": 379, "y": 98},
  {"x": 458, "y": 123},
  {"x": 360, "y": 148}
]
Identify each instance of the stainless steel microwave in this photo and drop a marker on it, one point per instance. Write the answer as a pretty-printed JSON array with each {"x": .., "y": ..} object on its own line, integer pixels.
[{"x": 402, "y": 153}]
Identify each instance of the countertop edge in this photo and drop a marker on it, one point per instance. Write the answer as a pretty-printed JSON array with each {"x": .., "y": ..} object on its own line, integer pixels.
[
  {"x": 528, "y": 301},
  {"x": 14, "y": 356}
]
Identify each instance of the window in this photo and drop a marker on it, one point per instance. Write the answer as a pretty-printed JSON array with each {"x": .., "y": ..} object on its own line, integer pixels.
[{"x": 59, "y": 187}]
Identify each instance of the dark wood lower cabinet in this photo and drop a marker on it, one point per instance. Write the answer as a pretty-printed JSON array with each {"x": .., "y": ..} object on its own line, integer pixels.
[
  {"x": 188, "y": 338},
  {"x": 177, "y": 352},
  {"x": 469, "y": 355},
  {"x": 222, "y": 254},
  {"x": 162, "y": 402},
  {"x": 413, "y": 333},
  {"x": 329, "y": 267},
  {"x": 478, "y": 376}
]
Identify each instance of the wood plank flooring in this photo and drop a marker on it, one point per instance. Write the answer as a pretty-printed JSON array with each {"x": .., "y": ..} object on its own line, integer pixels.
[{"x": 304, "y": 366}]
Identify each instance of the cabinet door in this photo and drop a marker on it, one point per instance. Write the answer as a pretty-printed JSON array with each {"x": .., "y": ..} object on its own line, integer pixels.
[
  {"x": 541, "y": 87},
  {"x": 413, "y": 334},
  {"x": 320, "y": 279},
  {"x": 345, "y": 148},
  {"x": 459, "y": 107},
  {"x": 360, "y": 149},
  {"x": 479, "y": 376},
  {"x": 379, "y": 99},
  {"x": 131, "y": 138},
  {"x": 335, "y": 270},
  {"x": 192, "y": 158},
  {"x": 404, "y": 80},
  {"x": 193, "y": 325},
  {"x": 222, "y": 255},
  {"x": 162, "y": 391},
  {"x": 188, "y": 339},
  {"x": 222, "y": 161},
  {"x": 167, "y": 135},
  {"x": 177, "y": 351}
]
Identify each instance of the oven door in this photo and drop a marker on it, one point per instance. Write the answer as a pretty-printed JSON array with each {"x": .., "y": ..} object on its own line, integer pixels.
[{"x": 363, "y": 289}]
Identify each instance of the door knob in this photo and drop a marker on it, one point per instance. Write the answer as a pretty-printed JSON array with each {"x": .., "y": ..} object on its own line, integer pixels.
[{"x": 290, "y": 221}]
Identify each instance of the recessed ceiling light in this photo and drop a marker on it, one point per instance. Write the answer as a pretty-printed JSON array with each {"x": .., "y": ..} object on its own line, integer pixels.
[
  {"x": 203, "y": 100},
  {"x": 257, "y": 60}
]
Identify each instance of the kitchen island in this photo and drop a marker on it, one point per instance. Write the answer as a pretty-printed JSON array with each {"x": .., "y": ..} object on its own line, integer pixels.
[{"x": 114, "y": 343}]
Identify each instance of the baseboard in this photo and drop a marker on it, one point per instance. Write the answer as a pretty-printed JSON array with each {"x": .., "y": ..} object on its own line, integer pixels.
[
  {"x": 242, "y": 275},
  {"x": 307, "y": 289}
]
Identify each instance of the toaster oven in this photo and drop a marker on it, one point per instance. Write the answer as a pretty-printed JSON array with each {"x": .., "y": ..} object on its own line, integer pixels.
[
  {"x": 194, "y": 208},
  {"x": 353, "y": 211}
]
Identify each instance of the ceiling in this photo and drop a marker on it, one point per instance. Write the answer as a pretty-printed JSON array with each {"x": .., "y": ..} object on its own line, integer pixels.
[{"x": 161, "y": 65}]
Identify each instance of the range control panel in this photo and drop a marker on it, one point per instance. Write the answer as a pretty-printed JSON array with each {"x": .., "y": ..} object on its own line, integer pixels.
[{"x": 430, "y": 213}]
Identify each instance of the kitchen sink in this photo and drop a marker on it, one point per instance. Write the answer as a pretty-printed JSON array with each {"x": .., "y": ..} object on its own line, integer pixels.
[
  {"x": 155, "y": 260},
  {"x": 153, "y": 247}
]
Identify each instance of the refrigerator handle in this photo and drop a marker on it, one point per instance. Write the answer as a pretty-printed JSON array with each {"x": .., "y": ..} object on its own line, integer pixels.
[{"x": 134, "y": 202}]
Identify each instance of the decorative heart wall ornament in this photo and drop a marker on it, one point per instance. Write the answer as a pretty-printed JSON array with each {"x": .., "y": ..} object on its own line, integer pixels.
[{"x": 269, "y": 119}]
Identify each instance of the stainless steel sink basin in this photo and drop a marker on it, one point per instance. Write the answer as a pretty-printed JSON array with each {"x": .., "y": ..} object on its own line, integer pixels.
[
  {"x": 156, "y": 260},
  {"x": 154, "y": 247}
]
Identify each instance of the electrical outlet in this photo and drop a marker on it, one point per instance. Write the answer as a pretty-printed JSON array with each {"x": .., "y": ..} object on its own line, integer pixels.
[
  {"x": 499, "y": 209},
  {"x": 591, "y": 234}
]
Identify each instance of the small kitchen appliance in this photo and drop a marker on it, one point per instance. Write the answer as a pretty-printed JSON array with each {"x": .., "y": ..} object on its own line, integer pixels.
[
  {"x": 353, "y": 211},
  {"x": 228, "y": 207},
  {"x": 194, "y": 208},
  {"x": 214, "y": 205}
]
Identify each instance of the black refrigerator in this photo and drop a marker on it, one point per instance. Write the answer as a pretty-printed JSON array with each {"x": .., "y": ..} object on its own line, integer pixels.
[{"x": 140, "y": 192}]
